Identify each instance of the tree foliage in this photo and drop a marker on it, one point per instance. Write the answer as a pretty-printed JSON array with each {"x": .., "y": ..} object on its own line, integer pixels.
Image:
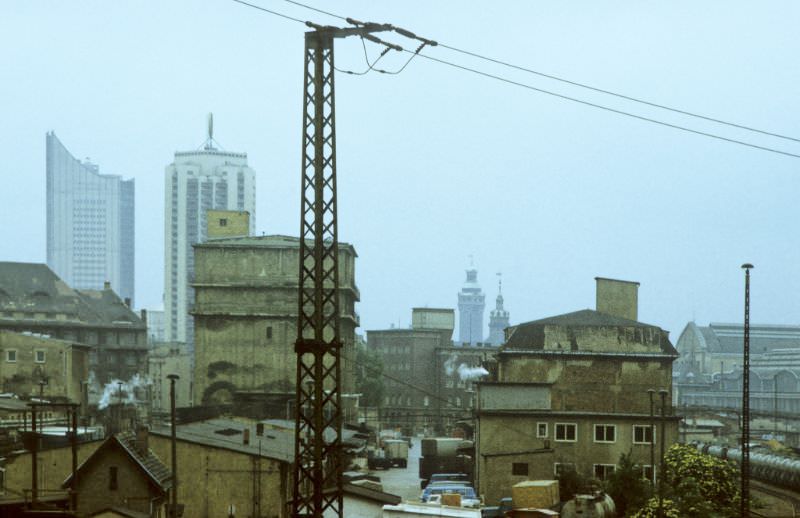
[
  {"x": 369, "y": 376},
  {"x": 696, "y": 486},
  {"x": 627, "y": 485}
]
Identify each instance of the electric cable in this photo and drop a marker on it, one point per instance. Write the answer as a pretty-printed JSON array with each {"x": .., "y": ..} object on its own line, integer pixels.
[
  {"x": 607, "y": 108},
  {"x": 269, "y": 11},
  {"x": 580, "y": 84}
]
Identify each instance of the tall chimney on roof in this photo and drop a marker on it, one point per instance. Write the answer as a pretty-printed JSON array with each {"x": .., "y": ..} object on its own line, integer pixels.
[
  {"x": 618, "y": 298},
  {"x": 142, "y": 440}
]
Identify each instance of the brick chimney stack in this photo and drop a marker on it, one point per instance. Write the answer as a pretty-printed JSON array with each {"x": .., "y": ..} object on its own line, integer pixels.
[{"x": 142, "y": 440}]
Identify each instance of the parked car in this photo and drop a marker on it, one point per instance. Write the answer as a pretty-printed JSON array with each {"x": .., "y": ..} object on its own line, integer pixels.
[
  {"x": 468, "y": 496},
  {"x": 445, "y": 477}
]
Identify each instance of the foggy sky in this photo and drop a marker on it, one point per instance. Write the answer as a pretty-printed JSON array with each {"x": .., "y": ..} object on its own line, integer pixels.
[{"x": 437, "y": 164}]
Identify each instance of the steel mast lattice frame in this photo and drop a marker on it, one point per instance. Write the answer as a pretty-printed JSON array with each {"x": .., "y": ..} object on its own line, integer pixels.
[{"x": 318, "y": 459}]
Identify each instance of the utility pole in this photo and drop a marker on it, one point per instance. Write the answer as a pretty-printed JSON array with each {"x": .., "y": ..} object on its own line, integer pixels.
[
  {"x": 662, "y": 441},
  {"x": 318, "y": 463},
  {"x": 745, "y": 501},
  {"x": 174, "y": 510},
  {"x": 651, "y": 393}
]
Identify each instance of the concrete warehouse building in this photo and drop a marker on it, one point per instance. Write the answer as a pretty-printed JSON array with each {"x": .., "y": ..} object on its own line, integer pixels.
[
  {"x": 245, "y": 316},
  {"x": 572, "y": 393},
  {"x": 35, "y": 300}
]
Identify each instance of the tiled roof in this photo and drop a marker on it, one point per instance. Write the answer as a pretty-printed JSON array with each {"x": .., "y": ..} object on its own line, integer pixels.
[
  {"x": 533, "y": 335},
  {"x": 229, "y": 434},
  {"x": 35, "y": 288},
  {"x": 149, "y": 463},
  {"x": 152, "y": 465}
]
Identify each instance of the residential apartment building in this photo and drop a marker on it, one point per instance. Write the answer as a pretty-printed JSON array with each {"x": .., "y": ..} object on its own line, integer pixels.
[
  {"x": 245, "y": 313},
  {"x": 28, "y": 360},
  {"x": 428, "y": 382},
  {"x": 196, "y": 182},
  {"x": 35, "y": 300},
  {"x": 90, "y": 223},
  {"x": 571, "y": 392}
]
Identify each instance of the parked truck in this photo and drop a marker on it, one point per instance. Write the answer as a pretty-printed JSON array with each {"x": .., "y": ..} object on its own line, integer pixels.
[
  {"x": 396, "y": 451},
  {"x": 445, "y": 455}
]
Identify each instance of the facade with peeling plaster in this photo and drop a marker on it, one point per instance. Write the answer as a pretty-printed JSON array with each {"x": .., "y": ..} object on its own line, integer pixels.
[
  {"x": 571, "y": 392},
  {"x": 245, "y": 316}
]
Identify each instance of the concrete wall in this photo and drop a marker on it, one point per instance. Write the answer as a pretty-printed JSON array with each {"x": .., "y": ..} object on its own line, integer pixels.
[
  {"x": 162, "y": 361},
  {"x": 64, "y": 366},
  {"x": 210, "y": 479},
  {"x": 433, "y": 318},
  {"x": 55, "y": 465},
  {"x": 600, "y": 384},
  {"x": 514, "y": 397},
  {"x": 618, "y": 298},
  {"x": 227, "y": 223},
  {"x": 246, "y": 318},
  {"x": 508, "y": 438}
]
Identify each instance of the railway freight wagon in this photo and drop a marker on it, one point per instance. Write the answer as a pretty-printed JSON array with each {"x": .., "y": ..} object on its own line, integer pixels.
[
  {"x": 773, "y": 469},
  {"x": 445, "y": 455}
]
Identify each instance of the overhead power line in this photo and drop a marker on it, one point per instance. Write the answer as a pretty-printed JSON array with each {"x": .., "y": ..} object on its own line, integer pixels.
[
  {"x": 606, "y": 108},
  {"x": 269, "y": 11},
  {"x": 588, "y": 87}
]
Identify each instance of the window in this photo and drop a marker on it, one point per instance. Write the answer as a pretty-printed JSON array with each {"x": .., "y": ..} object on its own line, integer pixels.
[
  {"x": 605, "y": 433},
  {"x": 223, "y": 222},
  {"x": 647, "y": 472},
  {"x": 541, "y": 430},
  {"x": 112, "y": 478},
  {"x": 11, "y": 355},
  {"x": 426, "y": 401},
  {"x": 519, "y": 468},
  {"x": 603, "y": 471},
  {"x": 566, "y": 432},
  {"x": 39, "y": 356},
  {"x": 269, "y": 332},
  {"x": 642, "y": 434},
  {"x": 560, "y": 468}
]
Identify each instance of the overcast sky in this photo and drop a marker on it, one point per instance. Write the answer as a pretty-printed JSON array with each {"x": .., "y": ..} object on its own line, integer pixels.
[{"x": 437, "y": 164}]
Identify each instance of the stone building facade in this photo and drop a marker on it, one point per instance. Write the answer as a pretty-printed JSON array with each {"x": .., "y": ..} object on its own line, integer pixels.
[
  {"x": 571, "y": 392},
  {"x": 33, "y": 299},
  {"x": 224, "y": 463},
  {"x": 428, "y": 381},
  {"x": 245, "y": 316},
  {"x": 26, "y": 360}
]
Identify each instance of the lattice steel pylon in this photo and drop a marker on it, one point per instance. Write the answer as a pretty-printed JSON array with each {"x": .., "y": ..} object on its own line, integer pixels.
[{"x": 318, "y": 410}]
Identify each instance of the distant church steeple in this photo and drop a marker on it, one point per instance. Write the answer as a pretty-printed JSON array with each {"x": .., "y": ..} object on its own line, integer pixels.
[
  {"x": 498, "y": 318},
  {"x": 471, "y": 303}
]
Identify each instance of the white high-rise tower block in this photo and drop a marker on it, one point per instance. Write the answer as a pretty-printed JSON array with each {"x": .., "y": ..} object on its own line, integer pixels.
[{"x": 197, "y": 181}]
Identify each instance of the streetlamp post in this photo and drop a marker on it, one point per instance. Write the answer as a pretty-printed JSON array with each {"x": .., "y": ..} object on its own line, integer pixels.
[
  {"x": 745, "y": 500},
  {"x": 174, "y": 512},
  {"x": 650, "y": 393},
  {"x": 662, "y": 440}
]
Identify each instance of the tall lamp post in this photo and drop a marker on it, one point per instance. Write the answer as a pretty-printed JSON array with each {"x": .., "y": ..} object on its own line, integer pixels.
[
  {"x": 745, "y": 501},
  {"x": 662, "y": 440},
  {"x": 174, "y": 510},
  {"x": 651, "y": 393}
]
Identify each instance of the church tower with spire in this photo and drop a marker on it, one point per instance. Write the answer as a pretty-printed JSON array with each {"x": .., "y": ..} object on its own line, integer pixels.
[
  {"x": 498, "y": 317},
  {"x": 471, "y": 303}
]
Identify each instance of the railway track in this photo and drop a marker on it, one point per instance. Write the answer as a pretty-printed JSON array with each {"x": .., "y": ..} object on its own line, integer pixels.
[{"x": 791, "y": 498}]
